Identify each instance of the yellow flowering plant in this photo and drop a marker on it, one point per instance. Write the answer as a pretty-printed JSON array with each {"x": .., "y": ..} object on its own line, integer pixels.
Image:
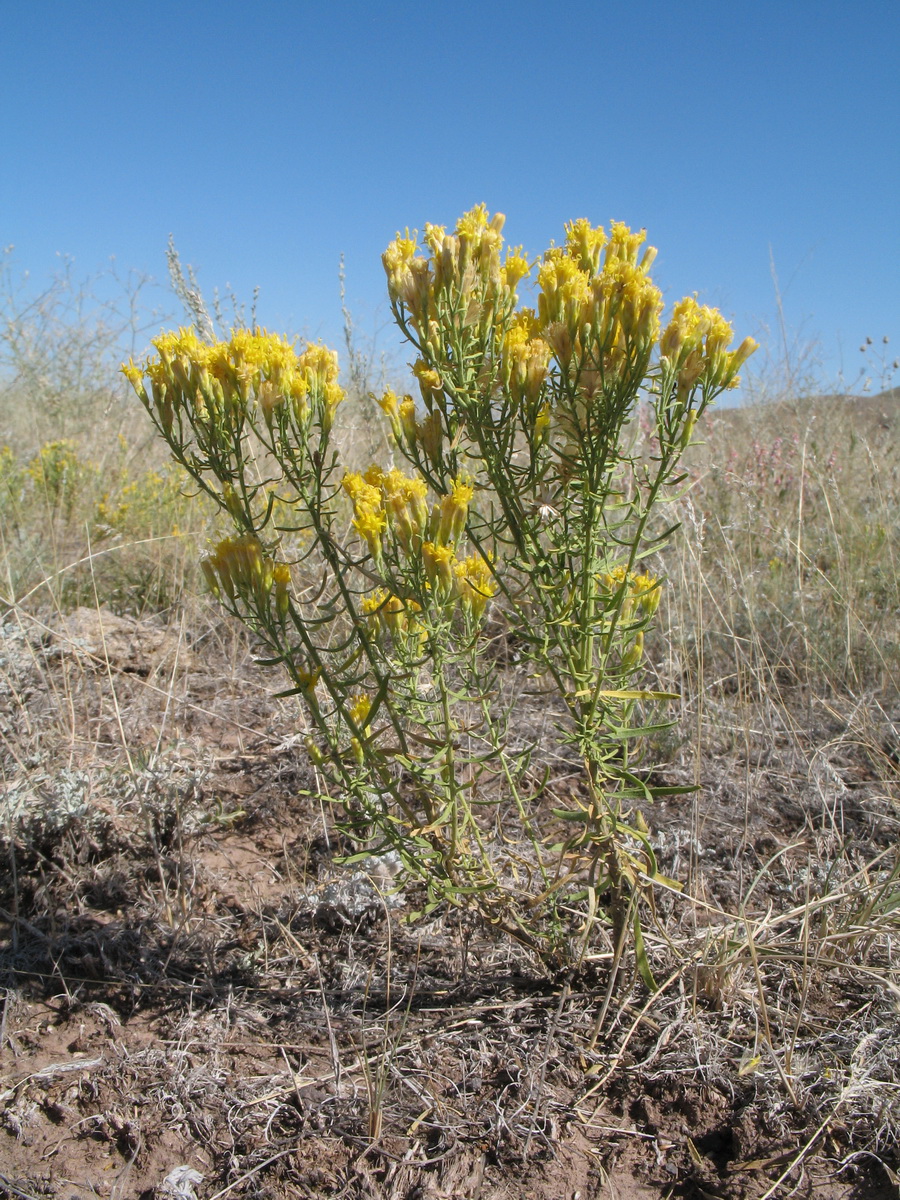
[{"x": 522, "y": 491}]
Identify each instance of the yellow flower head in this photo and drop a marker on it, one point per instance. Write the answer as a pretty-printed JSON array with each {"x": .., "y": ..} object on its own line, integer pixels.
[
  {"x": 685, "y": 331},
  {"x": 404, "y": 501},
  {"x": 401, "y": 251},
  {"x": 364, "y": 492},
  {"x": 358, "y": 710},
  {"x": 695, "y": 343},
  {"x": 407, "y": 416},
  {"x": 624, "y": 243},
  {"x": 438, "y": 561},
  {"x": 542, "y": 420},
  {"x": 584, "y": 243},
  {"x": 474, "y": 222},
  {"x": 332, "y": 395},
  {"x": 370, "y": 524},
  {"x": 134, "y": 375},
  {"x": 453, "y": 512},
  {"x": 646, "y": 589},
  {"x": 475, "y": 583},
  {"x": 736, "y": 359},
  {"x": 565, "y": 290},
  {"x": 308, "y": 677},
  {"x": 373, "y": 608},
  {"x": 319, "y": 364},
  {"x": 389, "y": 404},
  {"x": 370, "y": 520},
  {"x": 429, "y": 380},
  {"x": 524, "y": 357},
  {"x": 282, "y": 578},
  {"x": 407, "y": 273},
  {"x": 434, "y": 237},
  {"x": 479, "y": 237},
  {"x": 631, "y": 659},
  {"x": 372, "y": 603},
  {"x": 239, "y": 566},
  {"x": 516, "y": 267}
]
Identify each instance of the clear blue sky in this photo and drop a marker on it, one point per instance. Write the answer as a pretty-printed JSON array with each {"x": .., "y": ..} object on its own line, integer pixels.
[{"x": 270, "y": 138}]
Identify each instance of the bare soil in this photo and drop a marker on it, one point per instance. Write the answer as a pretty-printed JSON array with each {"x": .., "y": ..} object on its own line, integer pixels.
[{"x": 200, "y": 1001}]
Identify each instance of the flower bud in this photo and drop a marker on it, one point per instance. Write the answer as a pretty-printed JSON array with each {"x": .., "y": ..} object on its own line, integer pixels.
[
  {"x": 632, "y": 657},
  {"x": 315, "y": 754},
  {"x": 282, "y": 577}
]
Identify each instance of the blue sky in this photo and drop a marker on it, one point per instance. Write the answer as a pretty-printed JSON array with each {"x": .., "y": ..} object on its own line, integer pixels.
[{"x": 270, "y": 138}]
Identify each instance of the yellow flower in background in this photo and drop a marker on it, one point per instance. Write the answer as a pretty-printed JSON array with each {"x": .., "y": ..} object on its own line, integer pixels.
[
  {"x": 631, "y": 659},
  {"x": 385, "y": 611},
  {"x": 647, "y": 589},
  {"x": 542, "y": 420}
]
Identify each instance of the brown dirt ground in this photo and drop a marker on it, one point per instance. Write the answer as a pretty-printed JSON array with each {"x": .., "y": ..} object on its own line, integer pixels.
[{"x": 192, "y": 982}]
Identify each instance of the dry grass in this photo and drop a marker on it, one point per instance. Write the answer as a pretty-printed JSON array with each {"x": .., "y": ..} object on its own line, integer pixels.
[{"x": 192, "y": 980}]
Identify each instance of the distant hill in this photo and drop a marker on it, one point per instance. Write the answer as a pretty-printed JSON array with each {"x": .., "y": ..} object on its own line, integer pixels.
[{"x": 873, "y": 418}]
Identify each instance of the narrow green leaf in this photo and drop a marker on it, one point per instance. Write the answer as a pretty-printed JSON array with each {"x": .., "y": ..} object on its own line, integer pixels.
[{"x": 640, "y": 952}]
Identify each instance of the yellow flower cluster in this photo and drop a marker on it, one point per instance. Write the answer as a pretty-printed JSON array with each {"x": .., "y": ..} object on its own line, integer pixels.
[
  {"x": 383, "y": 499},
  {"x": 524, "y": 358},
  {"x": 609, "y": 309},
  {"x": 475, "y": 583},
  {"x": 388, "y": 612},
  {"x": 209, "y": 379},
  {"x": 598, "y": 314},
  {"x": 406, "y": 429},
  {"x": 239, "y": 568},
  {"x": 465, "y": 263},
  {"x": 643, "y": 594},
  {"x": 695, "y": 345},
  {"x": 151, "y": 503},
  {"x": 59, "y": 471},
  {"x": 453, "y": 512},
  {"x": 470, "y": 580},
  {"x": 379, "y": 497}
]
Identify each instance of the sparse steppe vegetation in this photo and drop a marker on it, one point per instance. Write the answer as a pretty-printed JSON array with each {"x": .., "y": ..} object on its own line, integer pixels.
[{"x": 192, "y": 979}]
